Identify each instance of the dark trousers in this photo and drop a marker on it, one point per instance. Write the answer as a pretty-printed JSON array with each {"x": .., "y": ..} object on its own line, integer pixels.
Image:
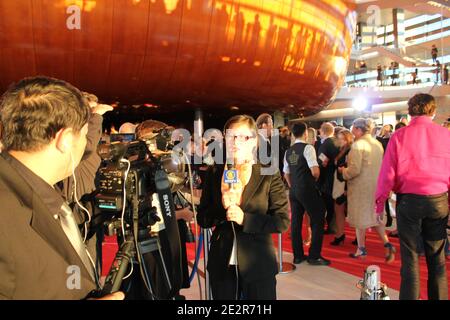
[
  {"x": 329, "y": 205},
  {"x": 225, "y": 288},
  {"x": 388, "y": 214},
  {"x": 310, "y": 201},
  {"x": 422, "y": 217}
]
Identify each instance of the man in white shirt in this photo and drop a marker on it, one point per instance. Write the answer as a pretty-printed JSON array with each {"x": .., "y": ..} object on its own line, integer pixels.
[{"x": 301, "y": 172}]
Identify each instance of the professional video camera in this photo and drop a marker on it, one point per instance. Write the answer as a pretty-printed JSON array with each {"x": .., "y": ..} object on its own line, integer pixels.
[{"x": 135, "y": 198}]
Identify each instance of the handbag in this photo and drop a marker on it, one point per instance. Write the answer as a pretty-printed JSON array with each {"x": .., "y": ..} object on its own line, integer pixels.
[{"x": 338, "y": 187}]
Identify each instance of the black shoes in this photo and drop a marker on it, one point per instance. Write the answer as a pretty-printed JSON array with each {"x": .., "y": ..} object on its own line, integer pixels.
[
  {"x": 362, "y": 253},
  {"x": 390, "y": 256},
  {"x": 300, "y": 260},
  {"x": 338, "y": 241},
  {"x": 319, "y": 262}
]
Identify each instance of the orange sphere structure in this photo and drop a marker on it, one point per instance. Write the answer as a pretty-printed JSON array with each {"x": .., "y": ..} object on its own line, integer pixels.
[{"x": 287, "y": 55}]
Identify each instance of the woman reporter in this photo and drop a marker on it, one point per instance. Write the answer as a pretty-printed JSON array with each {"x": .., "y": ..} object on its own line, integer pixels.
[{"x": 242, "y": 261}]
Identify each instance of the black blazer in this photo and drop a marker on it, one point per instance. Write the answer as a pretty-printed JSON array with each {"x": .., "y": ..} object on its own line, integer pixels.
[
  {"x": 330, "y": 149},
  {"x": 34, "y": 251},
  {"x": 384, "y": 142},
  {"x": 265, "y": 206}
]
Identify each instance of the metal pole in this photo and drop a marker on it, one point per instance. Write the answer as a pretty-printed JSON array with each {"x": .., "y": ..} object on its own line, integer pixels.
[
  {"x": 206, "y": 241},
  {"x": 283, "y": 267},
  {"x": 198, "y": 134}
]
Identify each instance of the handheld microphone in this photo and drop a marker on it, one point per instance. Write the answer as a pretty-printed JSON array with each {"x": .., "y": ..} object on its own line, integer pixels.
[
  {"x": 231, "y": 178},
  {"x": 230, "y": 175}
]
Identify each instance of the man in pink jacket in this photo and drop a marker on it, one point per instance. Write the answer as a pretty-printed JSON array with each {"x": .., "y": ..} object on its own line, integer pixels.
[{"x": 416, "y": 167}]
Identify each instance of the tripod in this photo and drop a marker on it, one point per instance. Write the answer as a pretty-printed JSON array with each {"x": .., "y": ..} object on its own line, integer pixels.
[
  {"x": 146, "y": 245},
  {"x": 138, "y": 246}
]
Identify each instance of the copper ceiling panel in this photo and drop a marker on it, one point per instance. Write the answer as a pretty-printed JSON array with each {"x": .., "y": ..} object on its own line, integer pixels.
[{"x": 288, "y": 55}]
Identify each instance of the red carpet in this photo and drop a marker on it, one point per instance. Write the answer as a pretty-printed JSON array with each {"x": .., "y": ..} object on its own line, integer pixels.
[
  {"x": 390, "y": 274},
  {"x": 109, "y": 250}
]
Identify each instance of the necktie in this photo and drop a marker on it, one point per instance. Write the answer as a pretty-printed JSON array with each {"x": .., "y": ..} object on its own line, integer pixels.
[{"x": 72, "y": 232}]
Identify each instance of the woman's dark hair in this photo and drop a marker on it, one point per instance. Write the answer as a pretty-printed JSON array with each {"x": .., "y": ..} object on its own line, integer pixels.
[
  {"x": 35, "y": 109},
  {"x": 421, "y": 104}
]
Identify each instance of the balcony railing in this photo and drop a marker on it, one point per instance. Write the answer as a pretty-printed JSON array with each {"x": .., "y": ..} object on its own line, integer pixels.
[{"x": 396, "y": 77}]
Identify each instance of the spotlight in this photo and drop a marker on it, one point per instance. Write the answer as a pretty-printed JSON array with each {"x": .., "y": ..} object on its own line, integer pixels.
[{"x": 359, "y": 104}]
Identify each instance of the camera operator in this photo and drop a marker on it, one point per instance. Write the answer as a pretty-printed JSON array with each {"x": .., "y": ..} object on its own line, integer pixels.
[
  {"x": 42, "y": 255},
  {"x": 84, "y": 176}
]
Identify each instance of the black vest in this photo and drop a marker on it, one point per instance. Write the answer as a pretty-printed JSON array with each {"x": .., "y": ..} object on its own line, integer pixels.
[{"x": 300, "y": 173}]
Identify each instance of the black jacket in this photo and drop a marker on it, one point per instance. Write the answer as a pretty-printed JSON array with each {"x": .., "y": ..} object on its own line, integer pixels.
[
  {"x": 264, "y": 147},
  {"x": 285, "y": 144},
  {"x": 384, "y": 142},
  {"x": 330, "y": 149},
  {"x": 265, "y": 206}
]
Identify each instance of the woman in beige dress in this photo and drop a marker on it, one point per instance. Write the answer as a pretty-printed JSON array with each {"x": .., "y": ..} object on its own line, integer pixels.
[{"x": 361, "y": 174}]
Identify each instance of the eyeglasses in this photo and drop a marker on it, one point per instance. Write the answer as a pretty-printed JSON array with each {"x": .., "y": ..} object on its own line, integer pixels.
[{"x": 241, "y": 138}]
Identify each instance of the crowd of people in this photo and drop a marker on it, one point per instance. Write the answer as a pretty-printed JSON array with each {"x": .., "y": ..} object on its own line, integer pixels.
[
  {"x": 342, "y": 174},
  {"x": 390, "y": 75},
  {"x": 49, "y": 133},
  {"x": 330, "y": 183}
]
